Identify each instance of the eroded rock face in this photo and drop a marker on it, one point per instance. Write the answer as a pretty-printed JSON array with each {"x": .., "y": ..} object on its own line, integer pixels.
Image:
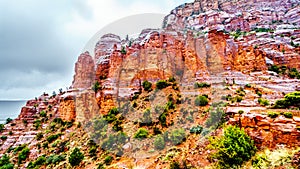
[
  {"x": 105, "y": 46},
  {"x": 86, "y": 106},
  {"x": 84, "y": 72},
  {"x": 221, "y": 36},
  {"x": 67, "y": 110},
  {"x": 268, "y": 132}
]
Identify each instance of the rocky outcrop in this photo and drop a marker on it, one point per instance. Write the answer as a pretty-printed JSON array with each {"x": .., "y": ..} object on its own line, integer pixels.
[
  {"x": 269, "y": 132},
  {"x": 67, "y": 110},
  {"x": 86, "y": 106},
  {"x": 84, "y": 71}
]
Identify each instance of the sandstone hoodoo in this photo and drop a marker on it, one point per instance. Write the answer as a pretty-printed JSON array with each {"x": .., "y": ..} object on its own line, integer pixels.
[{"x": 219, "y": 78}]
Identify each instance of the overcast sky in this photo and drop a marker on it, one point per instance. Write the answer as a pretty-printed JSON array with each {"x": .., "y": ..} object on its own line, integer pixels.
[{"x": 40, "y": 40}]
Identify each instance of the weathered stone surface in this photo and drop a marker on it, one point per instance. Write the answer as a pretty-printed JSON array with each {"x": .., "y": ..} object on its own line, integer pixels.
[
  {"x": 67, "y": 110},
  {"x": 267, "y": 132},
  {"x": 84, "y": 72},
  {"x": 86, "y": 106}
]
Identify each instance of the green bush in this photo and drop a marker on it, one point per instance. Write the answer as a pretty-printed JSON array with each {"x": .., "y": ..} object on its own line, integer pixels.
[
  {"x": 8, "y": 120},
  {"x": 248, "y": 85},
  {"x": 96, "y": 86},
  {"x": 114, "y": 141},
  {"x": 37, "y": 124},
  {"x": 201, "y": 101},
  {"x": 76, "y": 157},
  {"x": 201, "y": 85},
  {"x": 19, "y": 148},
  {"x": 23, "y": 155},
  {"x": 263, "y": 102},
  {"x": 161, "y": 84},
  {"x": 233, "y": 148},
  {"x": 147, "y": 119},
  {"x": 170, "y": 105},
  {"x": 123, "y": 50},
  {"x": 55, "y": 159},
  {"x": 108, "y": 159},
  {"x": 141, "y": 133},
  {"x": 5, "y": 162},
  {"x": 92, "y": 151},
  {"x": 293, "y": 99},
  {"x": 39, "y": 136},
  {"x": 273, "y": 114},
  {"x": 163, "y": 119},
  {"x": 38, "y": 163},
  {"x": 177, "y": 136},
  {"x": 288, "y": 114},
  {"x": 1, "y": 127},
  {"x": 159, "y": 142},
  {"x": 43, "y": 114},
  {"x": 281, "y": 104},
  {"x": 196, "y": 130},
  {"x": 241, "y": 112},
  {"x": 51, "y": 138},
  {"x": 175, "y": 165},
  {"x": 216, "y": 118},
  {"x": 147, "y": 85},
  {"x": 3, "y": 138}
]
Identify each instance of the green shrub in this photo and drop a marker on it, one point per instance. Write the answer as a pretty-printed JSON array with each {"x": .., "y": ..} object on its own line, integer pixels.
[
  {"x": 114, "y": 140},
  {"x": 248, "y": 85},
  {"x": 23, "y": 155},
  {"x": 38, "y": 163},
  {"x": 5, "y": 162},
  {"x": 241, "y": 112},
  {"x": 233, "y": 148},
  {"x": 141, "y": 133},
  {"x": 293, "y": 99},
  {"x": 3, "y": 138},
  {"x": 201, "y": 101},
  {"x": 51, "y": 138},
  {"x": 96, "y": 86},
  {"x": 216, "y": 118},
  {"x": 147, "y": 119},
  {"x": 159, "y": 142},
  {"x": 161, "y": 84},
  {"x": 76, "y": 157},
  {"x": 288, "y": 114},
  {"x": 196, "y": 130},
  {"x": 43, "y": 114},
  {"x": 108, "y": 159},
  {"x": 92, "y": 151},
  {"x": 281, "y": 104},
  {"x": 39, "y": 136},
  {"x": 170, "y": 105},
  {"x": 123, "y": 50},
  {"x": 259, "y": 93},
  {"x": 278, "y": 158},
  {"x": 201, "y": 85},
  {"x": 163, "y": 119},
  {"x": 263, "y": 102},
  {"x": 273, "y": 114},
  {"x": 1, "y": 127},
  {"x": 175, "y": 165},
  {"x": 55, "y": 159},
  {"x": 8, "y": 120},
  {"x": 171, "y": 79},
  {"x": 19, "y": 148},
  {"x": 147, "y": 85},
  {"x": 37, "y": 124},
  {"x": 177, "y": 136}
]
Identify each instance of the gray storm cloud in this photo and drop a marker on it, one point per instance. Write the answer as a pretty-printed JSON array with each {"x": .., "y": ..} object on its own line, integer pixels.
[
  {"x": 38, "y": 51},
  {"x": 33, "y": 48}
]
